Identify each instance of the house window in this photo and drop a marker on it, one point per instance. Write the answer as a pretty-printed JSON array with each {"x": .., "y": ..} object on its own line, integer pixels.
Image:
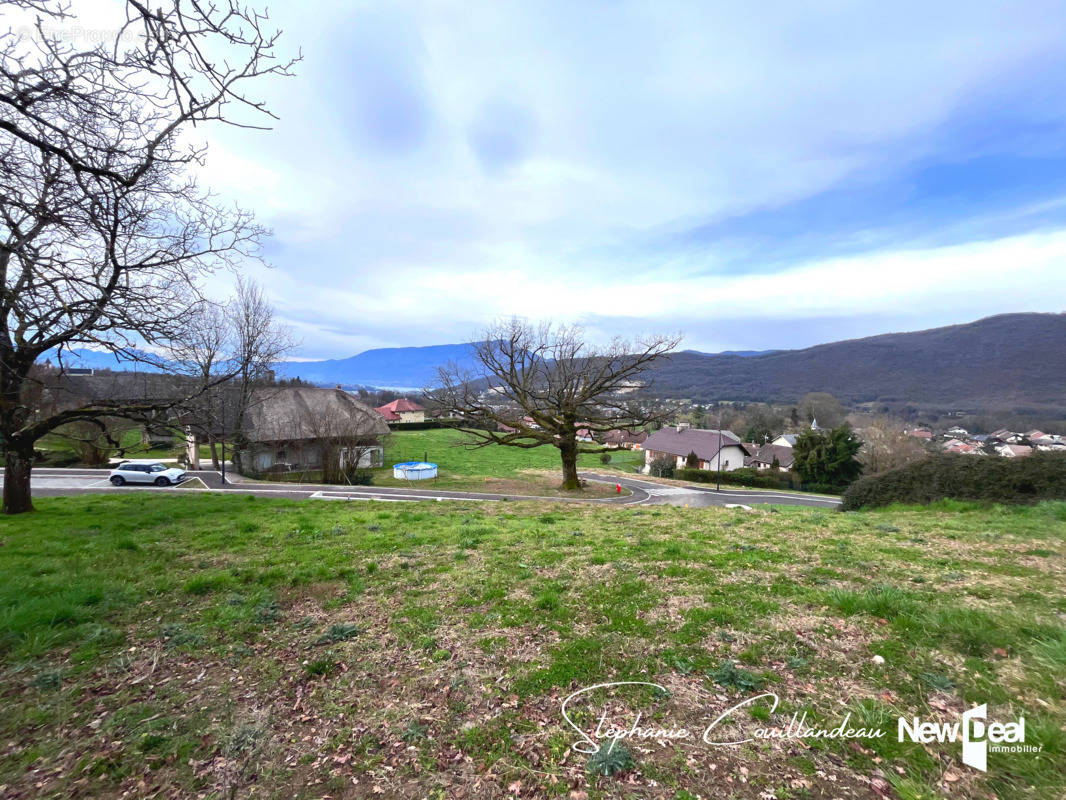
[{"x": 280, "y": 455}]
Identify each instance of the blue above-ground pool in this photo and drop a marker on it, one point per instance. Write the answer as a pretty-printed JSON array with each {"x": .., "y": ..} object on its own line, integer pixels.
[{"x": 414, "y": 470}]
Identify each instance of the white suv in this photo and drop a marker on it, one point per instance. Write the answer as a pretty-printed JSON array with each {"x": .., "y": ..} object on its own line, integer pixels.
[{"x": 146, "y": 472}]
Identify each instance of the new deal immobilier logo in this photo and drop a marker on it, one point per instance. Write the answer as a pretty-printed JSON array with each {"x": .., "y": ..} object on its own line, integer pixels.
[{"x": 978, "y": 737}]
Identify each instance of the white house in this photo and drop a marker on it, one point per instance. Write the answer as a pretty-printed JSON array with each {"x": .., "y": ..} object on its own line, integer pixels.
[{"x": 714, "y": 449}]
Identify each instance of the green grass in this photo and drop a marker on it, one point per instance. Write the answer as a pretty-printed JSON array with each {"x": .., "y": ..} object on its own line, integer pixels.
[
  {"x": 494, "y": 468},
  {"x": 235, "y": 646},
  {"x": 443, "y": 447}
]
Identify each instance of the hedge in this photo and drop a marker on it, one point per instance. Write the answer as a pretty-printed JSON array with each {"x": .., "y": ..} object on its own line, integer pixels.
[
  {"x": 442, "y": 422},
  {"x": 994, "y": 479},
  {"x": 761, "y": 479}
]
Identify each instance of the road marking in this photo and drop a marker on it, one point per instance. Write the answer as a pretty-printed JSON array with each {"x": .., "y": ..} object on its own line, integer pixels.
[
  {"x": 392, "y": 498},
  {"x": 670, "y": 489}
]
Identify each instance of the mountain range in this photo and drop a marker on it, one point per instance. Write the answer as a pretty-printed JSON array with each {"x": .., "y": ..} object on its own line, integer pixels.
[
  {"x": 1009, "y": 361},
  {"x": 404, "y": 368}
]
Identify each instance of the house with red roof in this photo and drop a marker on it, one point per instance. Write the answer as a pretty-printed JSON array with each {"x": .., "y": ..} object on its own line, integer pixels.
[{"x": 401, "y": 411}]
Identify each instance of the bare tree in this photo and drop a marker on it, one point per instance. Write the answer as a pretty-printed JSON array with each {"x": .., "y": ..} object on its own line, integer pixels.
[
  {"x": 885, "y": 446},
  {"x": 539, "y": 385},
  {"x": 241, "y": 340},
  {"x": 259, "y": 343},
  {"x": 823, "y": 408},
  {"x": 104, "y": 235}
]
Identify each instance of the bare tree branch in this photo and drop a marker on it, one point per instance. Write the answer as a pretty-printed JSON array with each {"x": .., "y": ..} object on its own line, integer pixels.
[
  {"x": 105, "y": 238},
  {"x": 540, "y": 384}
]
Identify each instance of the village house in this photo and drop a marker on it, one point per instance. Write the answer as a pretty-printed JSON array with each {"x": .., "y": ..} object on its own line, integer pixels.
[
  {"x": 764, "y": 457},
  {"x": 627, "y": 439},
  {"x": 920, "y": 433},
  {"x": 525, "y": 421},
  {"x": 1049, "y": 442},
  {"x": 714, "y": 449},
  {"x": 785, "y": 440},
  {"x": 301, "y": 426},
  {"x": 1014, "y": 450},
  {"x": 959, "y": 446},
  {"x": 402, "y": 411},
  {"x": 1005, "y": 436}
]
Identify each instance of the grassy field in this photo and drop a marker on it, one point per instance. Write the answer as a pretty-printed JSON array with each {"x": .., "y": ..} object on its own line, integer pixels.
[
  {"x": 441, "y": 446},
  {"x": 494, "y": 468},
  {"x": 220, "y": 646}
]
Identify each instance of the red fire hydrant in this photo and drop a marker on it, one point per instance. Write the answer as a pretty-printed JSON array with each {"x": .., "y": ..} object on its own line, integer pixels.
[{"x": 618, "y": 488}]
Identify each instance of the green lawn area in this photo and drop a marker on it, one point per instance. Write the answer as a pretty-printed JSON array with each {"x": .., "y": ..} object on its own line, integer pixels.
[
  {"x": 495, "y": 468},
  {"x": 223, "y": 646},
  {"x": 442, "y": 447}
]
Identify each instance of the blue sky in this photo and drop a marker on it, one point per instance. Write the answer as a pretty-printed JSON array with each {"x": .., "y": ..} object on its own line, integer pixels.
[{"x": 764, "y": 178}]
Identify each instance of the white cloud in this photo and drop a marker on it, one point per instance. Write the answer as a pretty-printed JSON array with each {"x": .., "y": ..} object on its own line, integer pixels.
[{"x": 627, "y": 118}]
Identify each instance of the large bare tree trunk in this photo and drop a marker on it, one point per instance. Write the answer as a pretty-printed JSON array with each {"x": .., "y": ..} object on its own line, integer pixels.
[
  {"x": 214, "y": 455},
  {"x": 18, "y": 464},
  {"x": 568, "y": 453}
]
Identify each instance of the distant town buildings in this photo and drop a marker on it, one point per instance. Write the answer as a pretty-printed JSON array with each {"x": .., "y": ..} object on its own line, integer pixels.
[{"x": 1002, "y": 442}]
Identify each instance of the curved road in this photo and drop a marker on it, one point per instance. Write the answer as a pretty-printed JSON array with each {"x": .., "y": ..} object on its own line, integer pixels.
[{"x": 56, "y": 482}]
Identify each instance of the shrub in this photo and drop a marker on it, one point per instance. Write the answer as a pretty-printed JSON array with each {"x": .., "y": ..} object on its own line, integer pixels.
[
  {"x": 991, "y": 479},
  {"x": 662, "y": 468},
  {"x": 745, "y": 476},
  {"x": 605, "y": 458},
  {"x": 443, "y": 422}
]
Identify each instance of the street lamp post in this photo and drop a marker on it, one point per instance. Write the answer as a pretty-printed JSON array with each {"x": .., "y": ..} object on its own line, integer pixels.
[
  {"x": 223, "y": 415},
  {"x": 718, "y": 487}
]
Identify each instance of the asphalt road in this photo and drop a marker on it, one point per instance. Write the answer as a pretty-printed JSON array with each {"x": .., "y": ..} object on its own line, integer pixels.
[{"x": 51, "y": 482}]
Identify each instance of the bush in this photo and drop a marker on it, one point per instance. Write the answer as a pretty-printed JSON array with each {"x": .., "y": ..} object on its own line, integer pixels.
[
  {"x": 605, "y": 458},
  {"x": 746, "y": 476},
  {"x": 991, "y": 479},
  {"x": 662, "y": 468},
  {"x": 442, "y": 422}
]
